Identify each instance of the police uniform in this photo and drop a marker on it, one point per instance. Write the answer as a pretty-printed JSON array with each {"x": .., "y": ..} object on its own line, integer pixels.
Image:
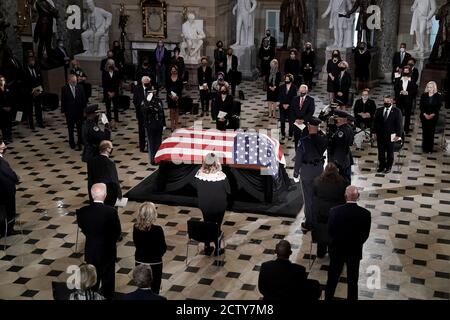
[
  {"x": 339, "y": 147},
  {"x": 155, "y": 121},
  {"x": 309, "y": 161},
  {"x": 92, "y": 136}
]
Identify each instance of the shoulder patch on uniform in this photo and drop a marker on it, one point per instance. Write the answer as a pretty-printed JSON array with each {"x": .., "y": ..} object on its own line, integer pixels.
[
  {"x": 340, "y": 134},
  {"x": 96, "y": 128}
]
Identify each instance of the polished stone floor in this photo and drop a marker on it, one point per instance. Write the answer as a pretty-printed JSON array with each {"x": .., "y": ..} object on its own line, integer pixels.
[{"x": 409, "y": 242}]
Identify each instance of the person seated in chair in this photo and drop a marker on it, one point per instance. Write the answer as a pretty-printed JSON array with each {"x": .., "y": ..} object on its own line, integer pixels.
[
  {"x": 364, "y": 111},
  {"x": 143, "y": 278}
]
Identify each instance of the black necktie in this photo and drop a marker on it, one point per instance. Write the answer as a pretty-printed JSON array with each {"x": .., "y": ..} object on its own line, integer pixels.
[{"x": 386, "y": 114}]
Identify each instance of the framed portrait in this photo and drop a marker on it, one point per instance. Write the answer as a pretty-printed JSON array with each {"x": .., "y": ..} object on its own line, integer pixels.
[{"x": 154, "y": 19}]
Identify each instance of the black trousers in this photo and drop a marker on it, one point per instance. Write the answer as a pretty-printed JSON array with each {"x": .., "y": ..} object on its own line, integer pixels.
[
  {"x": 284, "y": 116},
  {"x": 428, "y": 132},
  {"x": 216, "y": 216},
  {"x": 34, "y": 103},
  {"x": 298, "y": 134},
  {"x": 157, "y": 276},
  {"x": 115, "y": 104},
  {"x": 406, "y": 108},
  {"x": 385, "y": 152},
  {"x": 322, "y": 249},
  {"x": 204, "y": 100},
  {"x": 334, "y": 272},
  {"x": 73, "y": 123},
  {"x": 9, "y": 202},
  {"x": 6, "y": 119},
  {"x": 106, "y": 276},
  {"x": 154, "y": 138},
  {"x": 308, "y": 77},
  {"x": 141, "y": 128}
]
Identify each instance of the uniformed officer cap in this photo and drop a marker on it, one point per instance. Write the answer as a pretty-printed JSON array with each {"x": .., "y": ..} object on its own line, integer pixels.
[
  {"x": 342, "y": 114},
  {"x": 315, "y": 122},
  {"x": 91, "y": 109}
]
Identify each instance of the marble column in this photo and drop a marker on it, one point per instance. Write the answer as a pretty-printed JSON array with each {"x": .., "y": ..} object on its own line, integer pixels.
[{"x": 387, "y": 37}]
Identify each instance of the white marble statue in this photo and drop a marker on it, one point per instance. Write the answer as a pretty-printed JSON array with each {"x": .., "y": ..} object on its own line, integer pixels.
[
  {"x": 339, "y": 24},
  {"x": 349, "y": 32},
  {"x": 245, "y": 22},
  {"x": 193, "y": 36},
  {"x": 423, "y": 12},
  {"x": 96, "y": 25}
]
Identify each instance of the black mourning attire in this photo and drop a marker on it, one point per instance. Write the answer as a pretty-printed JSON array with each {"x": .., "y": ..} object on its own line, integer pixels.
[
  {"x": 429, "y": 105},
  {"x": 102, "y": 169}
]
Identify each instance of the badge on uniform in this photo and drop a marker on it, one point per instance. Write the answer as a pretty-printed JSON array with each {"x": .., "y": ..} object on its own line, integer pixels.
[
  {"x": 340, "y": 134},
  {"x": 96, "y": 128}
]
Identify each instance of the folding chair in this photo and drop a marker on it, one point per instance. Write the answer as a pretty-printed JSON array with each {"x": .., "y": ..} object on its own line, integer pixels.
[
  {"x": 398, "y": 147},
  {"x": 4, "y": 220},
  {"x": 206, "y": 232}
]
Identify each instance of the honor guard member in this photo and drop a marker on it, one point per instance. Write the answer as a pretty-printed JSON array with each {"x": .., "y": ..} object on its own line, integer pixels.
[
  {"x": 155, "y": 122},
  {"x": 309, "y": 161},
  {"x": 92, "y": 134},
  {"x": 339, "y": 145}
]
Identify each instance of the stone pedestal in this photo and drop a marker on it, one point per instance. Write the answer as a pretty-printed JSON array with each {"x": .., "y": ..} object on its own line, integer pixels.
[
  {"x": 53, "y": 80},
  {"x": 91, "y": 66},
  {"x": 422, "y": 59},
  {"x": 346, "y": 55},
  {"x": 247, "y": 61},
  {"x": 192, "y": 70}
]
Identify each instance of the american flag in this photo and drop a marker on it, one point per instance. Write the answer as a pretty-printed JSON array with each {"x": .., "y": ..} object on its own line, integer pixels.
[{"x": 190, "y": 146}]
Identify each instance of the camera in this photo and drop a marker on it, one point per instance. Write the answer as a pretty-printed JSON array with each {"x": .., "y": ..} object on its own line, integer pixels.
[{"x": 328, "y": 116}]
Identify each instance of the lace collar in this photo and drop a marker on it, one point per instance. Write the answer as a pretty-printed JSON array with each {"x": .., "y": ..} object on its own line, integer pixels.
[{"x": 214, "y": 177}]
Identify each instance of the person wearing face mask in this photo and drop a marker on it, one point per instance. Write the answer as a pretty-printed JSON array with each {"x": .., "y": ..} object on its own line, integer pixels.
[
  {"x": 111, "y": 86},
  {"x": 288, "y": 92},
  {"x": 6, "y": 110},
  {"x": 144, "y": 70},
  {"x": 292, "y": 66},
  {"x": 308, "y": 64},
  {"x": 155, "y": 122},
  {"x": 119, "y": 55},
  {"x": 302, "y": 108},
  {"x": 219, "y": 58},
  {"x": 204, "y": 78},
  {"x": 414, "y": 72},
  {"x": 101, "y": 169},
  {"x": 73, "y": 103},
  {"x": 364, "y": 110},
  {"x": 223, "y": 103},
  {"x": 8, "y": 181},
  {"x": 362, "y": 58},
  {"x": 178, "y": 61},
  {"x": 399, "y": 60},
  {"x": 266, "y": 54},
  {"x": 333, "y": 73},
  {"x": 387, "y": 130},
  {"x": 231, "y": 70},
  {"x": 174, "y": 86},
  {"x": 430, "y": 105},
  {"x": 33, "y": 90},
  {"x": 92, "y": 134},
  {"x": 161, "y": 59},
  {"x": 272, "y": 40},
  {"x": 273, "y": 83},
  {"x": 342, "y": 84},
  {"x": 109, "y": 56},
  {"x": 405, "y": 94},
  {"x": 140, "y": 92}
]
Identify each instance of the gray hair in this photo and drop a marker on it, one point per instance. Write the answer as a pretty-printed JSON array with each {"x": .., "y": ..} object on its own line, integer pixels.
[
  {"x": 98, "y": 192},
  {"x": 109, "y": 62},
  {"x": 143, "y": 276}
]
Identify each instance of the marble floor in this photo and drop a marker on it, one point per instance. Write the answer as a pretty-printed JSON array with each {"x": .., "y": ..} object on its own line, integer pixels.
[{"x": 409, "y": 243}]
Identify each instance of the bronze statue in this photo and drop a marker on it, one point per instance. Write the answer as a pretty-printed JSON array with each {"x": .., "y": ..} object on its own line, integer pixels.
[
  {"x": 3, "y": 37},
  {"x": 361, "y": 24},
  {"x": 443, "y": 36},
  {"x": 43, "y": 31},
  {"x": 293, "y": 19}
]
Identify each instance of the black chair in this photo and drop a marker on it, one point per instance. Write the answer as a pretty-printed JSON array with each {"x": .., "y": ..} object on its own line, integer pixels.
[
  {"x": 4, "y": 220},
  {"x": 398, "y": 147},
  {"x": 206, "y": 232},
  {"x": 61, "y": 291}
]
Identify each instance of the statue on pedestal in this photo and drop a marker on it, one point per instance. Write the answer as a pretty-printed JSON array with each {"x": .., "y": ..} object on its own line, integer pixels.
[
  {"x": 44, "y": 29},
  {"x": 95, "y": 38},
  {"x": 245, "y": 22},
  {"x": 443, "y": 36},
  {"x": 293, "y": 19},
  {"x": 193, "y": 36},
  {"x": 423, "y": 12},
  {"x": 337, "y": 10}
]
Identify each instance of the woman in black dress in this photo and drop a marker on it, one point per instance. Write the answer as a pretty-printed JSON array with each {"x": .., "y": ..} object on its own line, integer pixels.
[
  {"x": 111, "y": 87},
  {"x": 273, "y": 80},
  {"x": 362, "y": 66},
  {"x": 204, "y": 77},
  {"x": 430, "y": 105},
  {"x": 223, "y": 102},
  {"x": 329, "y": 191},
  {"x": 178, "y": 61},
  {"x": 174, "y": 88},
  {"x": 293, "y": 66},
  {"x": 266, "y": 54},
  {"x": 6, "y": 111},
  {"x": 150, "y": 242},
  {"x": 333, "y": 73},
  {"x": 308, "y": 64},
  {"x": 212, "y": 190},
  {"x": 220, "y": 58}
]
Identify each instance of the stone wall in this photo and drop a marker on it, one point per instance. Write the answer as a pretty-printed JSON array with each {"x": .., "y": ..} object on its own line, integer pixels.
[{"x": 9, "y": 9}]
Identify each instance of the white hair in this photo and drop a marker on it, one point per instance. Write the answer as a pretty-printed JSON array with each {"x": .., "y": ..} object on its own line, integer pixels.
[
  {"x": 304, "y": 86},
  {"x": 98, "y": 191},
  {"x": 145, "y": 79}
]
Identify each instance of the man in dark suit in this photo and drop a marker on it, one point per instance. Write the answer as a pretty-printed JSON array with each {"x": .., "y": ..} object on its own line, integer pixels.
[
  {"x": 348, "y": 228},
  {"x": 143, "y": 278},
  {"x": 281, "y": 279},
  {"x": 101, "y": 169},
  {"x": 8, "y": 182},
  {"x": 405, "y": 94},
  {"x": 33, "y": 86},
  {"x": 387, "y": 130},
  {"x": 73, "y": 103},
  {"x": 101, "y": 226},
  {"x": 414, "y": 71},
  {"x": 342, "y": 84},
  {"x": 272, "y": 40},
  {"x": 140, "y": 93},
  {"x": 399, "y": 60},
  {"x": 302, "y": 109},
  {"x": 364, "y": 111},
  {"x": 14, "y": 73},
  {"x": 231, "y": 70}
]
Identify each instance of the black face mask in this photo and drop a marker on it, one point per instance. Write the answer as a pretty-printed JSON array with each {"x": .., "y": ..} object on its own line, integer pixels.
[
  {"x": 411, "y": 65},
  {"x": 406, "y": 74},
  {"x": 224, "y": 93},
  {"x": 342, "y": 68},
  {"x": 268, "y": 34},
  {"x": 147, "y": 85},
  {"x": 335, "y": 55},
  {"x": 287, "y": 81},
  {"x": 302, "y": 94},
  {"x": 387, "y": 105}
]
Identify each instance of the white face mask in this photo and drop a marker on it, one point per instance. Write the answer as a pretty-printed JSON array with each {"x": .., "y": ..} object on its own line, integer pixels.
[
  {"x": 402, "y": 49},
  {"x": 2, "y": 83}
]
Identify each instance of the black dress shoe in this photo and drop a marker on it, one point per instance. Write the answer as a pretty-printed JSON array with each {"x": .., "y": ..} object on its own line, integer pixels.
[
  {"x": 78, "y": 148},
  {"x": 388, "y": 170},
  {"x": 208, "y": 251},
  {"x": 305, "y": 228},
  {"x": 72, "y": 146},
  {"x": 380, "y": 169}
]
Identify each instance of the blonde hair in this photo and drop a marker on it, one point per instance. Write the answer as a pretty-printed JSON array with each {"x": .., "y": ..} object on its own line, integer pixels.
[
  {"x": 146, "y": 216},
  {"x": 211, "y": 168},
  {"x": 433, "y": 84},
  {"x": 110, "y": 62},
  {"x": 88, "y": 276},
  {"x": 274, "y": 64}
]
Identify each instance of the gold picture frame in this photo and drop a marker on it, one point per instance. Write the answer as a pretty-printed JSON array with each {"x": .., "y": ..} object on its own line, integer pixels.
[{"x": 154, "y": 19}]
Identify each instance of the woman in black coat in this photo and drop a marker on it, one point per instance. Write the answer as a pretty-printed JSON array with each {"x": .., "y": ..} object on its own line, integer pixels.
[
  {"x": 329, "y": 191},
  {"x": 308, "y": 64},
  {"x": 6, "y": 110},
  {"x": 213, "y": 189},
  {"x": 362, "y": 66},
  {"x": 111, "y": 86},
  {"x": 293, "y": 66},
  {"x": 430, "y": 105},
  {"x": 266, "y": 54},
  {"x": 174, "y": 87},
  {"x": 288, "y": 91},
  {"x": 333, "y": 73},
  {"x": 273, "y": 81},
  {"x": 223, "y": 102},
  {"x": 205, "y": 79},
  {"x": 220, "y": 58},
  {"x": 150, "y": 242}
]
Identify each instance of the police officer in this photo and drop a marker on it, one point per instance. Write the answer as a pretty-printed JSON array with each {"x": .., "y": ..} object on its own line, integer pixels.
[
  {"x": 92, "y": 134},
  {"x": 309, "y": 161},
  {"x": 339, "y": 145},
  {"x": 155, "y": 121}
]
